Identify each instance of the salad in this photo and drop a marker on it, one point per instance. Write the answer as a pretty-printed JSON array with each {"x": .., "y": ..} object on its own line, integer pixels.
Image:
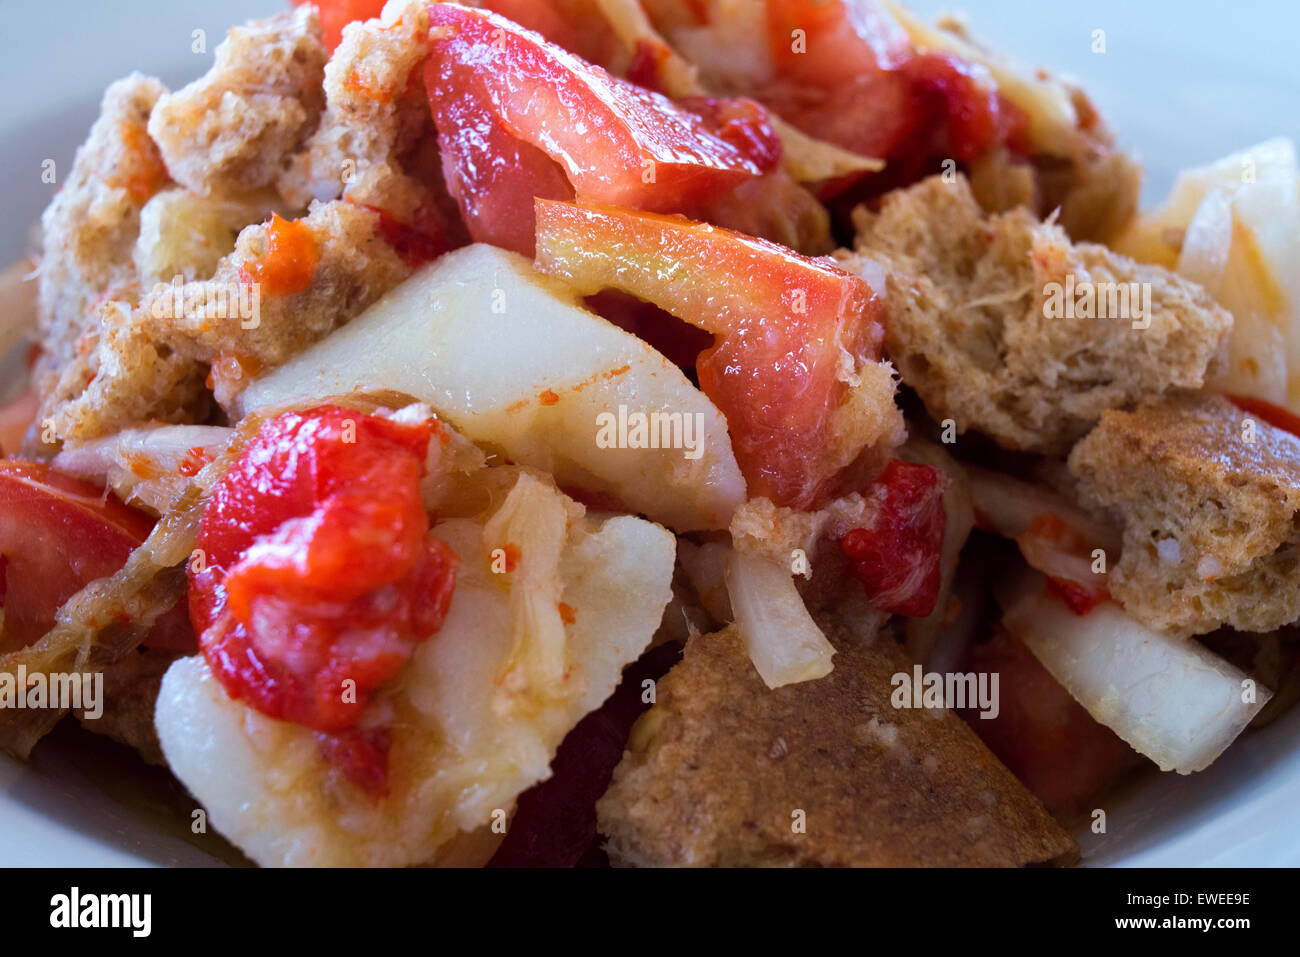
[{"x": 648, "y": 433}]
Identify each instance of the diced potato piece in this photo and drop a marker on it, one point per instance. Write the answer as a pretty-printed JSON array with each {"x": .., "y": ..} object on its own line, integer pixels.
[
  {"x": 473, "y": 722},
  {"x": 183, "y": 234},
  {"x": 514, "y": 362}
]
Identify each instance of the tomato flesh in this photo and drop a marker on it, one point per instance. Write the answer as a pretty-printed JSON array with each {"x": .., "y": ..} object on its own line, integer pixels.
[
  {"x": 319, "y": 568},
  {"x": 502, "y": 97},
  {"x": 843, "y": 71},
  {"x": 1065, "y": 556},
  {"x": 897, "y": 556},
  {"x": 1044, "y": 736},
  {"x": 289, "y": 262},
  {"x": 336, "y": 14},
  {"x": 57, "y": 534},
  {"x": 783, "y": 325}
]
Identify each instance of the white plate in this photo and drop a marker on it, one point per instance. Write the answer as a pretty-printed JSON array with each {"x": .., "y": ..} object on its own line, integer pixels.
[{"x": 1182, "y": 82}]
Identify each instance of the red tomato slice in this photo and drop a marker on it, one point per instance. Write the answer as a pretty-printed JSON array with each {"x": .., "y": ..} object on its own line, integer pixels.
[
  {"x": 784, "y": 326},
  {"x": 491, "y": 82},
  {"x": 1044, "y": 736},
  {"x": 897, "y": 557},
  {"x": 816, "y": 42},
  {"x": 319, "y": 567},
  {"x": 1274, "y": 415},
  {"x": 57, "y": 534},
  {"x": 580, "y": 26},
  {"x": 845, "y": 72},
  {"x": 336, "y": 14}
]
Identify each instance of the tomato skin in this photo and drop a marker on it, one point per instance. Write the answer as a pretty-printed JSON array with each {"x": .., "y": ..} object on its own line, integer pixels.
[
  {"x": 897, "y": 557},
  {"x": 57, "y": 534},
  {"x": 781, "y": 322},
  {"x": 962, "y": 102},
  {"x": 319, "y": 566},
  {"x": 845, "y": 72},
  {"x": 336, "y": 14},
  {"x": 493, "y": 176},
  {"x": 1274, "y": 415},
  {"x": 503, "y": 98}
]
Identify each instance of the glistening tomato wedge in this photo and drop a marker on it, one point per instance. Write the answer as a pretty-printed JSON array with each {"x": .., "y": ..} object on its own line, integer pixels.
[
  {"x": 519, "y": 117},
  {"x": 57, "y": 534},
  {"x": 789, "y": 331}
]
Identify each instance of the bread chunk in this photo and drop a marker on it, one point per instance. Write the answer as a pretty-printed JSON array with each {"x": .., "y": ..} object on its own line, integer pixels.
[
  {"x": 353, "y": 268},
  {"x": 1211, "y": 514},
  {"x": 130, "y": 692},
  {"x": 989, "y": 325},
  {"x": 151, "y": 361},
  {"x": 376, "y": 119},
  {"x": 125, "y": 378},
  {"x": 234, "y": 128},
  {"x": 90, "y": 227},
  {"x": 717, "y": 770}
]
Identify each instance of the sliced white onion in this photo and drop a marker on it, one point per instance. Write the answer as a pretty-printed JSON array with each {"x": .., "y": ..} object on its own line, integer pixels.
[
  {"x": 1170, "y": 699},
  {"x": 706, "y": 569},
  {"x": 1008, "y": 507},
  {"x": 784, "y": 643},
  {"x": 144, "y": 466}
]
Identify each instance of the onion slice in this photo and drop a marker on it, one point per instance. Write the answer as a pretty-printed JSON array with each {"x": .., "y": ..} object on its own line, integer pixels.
[
  {"x": 1170, "y": 699},
  {"x": 784, "y": 643}
]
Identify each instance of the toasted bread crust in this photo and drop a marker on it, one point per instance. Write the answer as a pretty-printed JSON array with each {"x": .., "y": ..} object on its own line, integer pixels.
[
  {"x": 90, "y": 227},
  {"x": 1183, "y": 471},
  {"x": 717, "y": 770},
  {"x": 969, "y": 326},
  {"x": 376, "y": 117},
  {"x": 233, "y": 129}
]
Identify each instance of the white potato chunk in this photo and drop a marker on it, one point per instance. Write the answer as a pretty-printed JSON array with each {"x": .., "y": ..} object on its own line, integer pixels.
[
  {"x": 1168, "y": 698},
  {"x": 513, "y": 361},
  {"x": 476, "y": 715},
  {"x": 184, "y": 234}
]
